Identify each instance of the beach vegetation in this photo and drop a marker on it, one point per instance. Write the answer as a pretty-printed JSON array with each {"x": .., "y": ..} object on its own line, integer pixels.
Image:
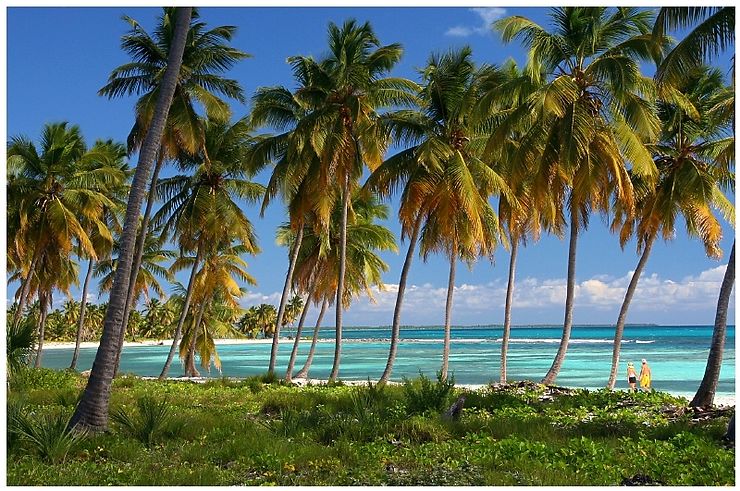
[{"x": 225, "y": 433}]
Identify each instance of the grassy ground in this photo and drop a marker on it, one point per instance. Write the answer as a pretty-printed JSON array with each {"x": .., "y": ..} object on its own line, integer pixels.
[{"x": 228, "y": 433}]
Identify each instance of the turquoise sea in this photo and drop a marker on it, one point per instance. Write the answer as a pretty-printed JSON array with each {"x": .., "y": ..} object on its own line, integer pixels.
[{"x": 677, "y": 355}]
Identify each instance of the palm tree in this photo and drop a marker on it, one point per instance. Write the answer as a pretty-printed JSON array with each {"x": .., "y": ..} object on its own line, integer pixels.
[
  {"x": 319, "y": 258},
  {"x": 205, "y": 58},
  {"x": 215, "y": 281},
  {"x": 591, "y": 115},
  {"x": 292, "y": 310},
  {"x": 151, "y": 267},
  {"x": 317, "y": 266},
  {"x": 265, "y": 318},
  {"x": 689, "y": 182},
  {"x": 92, "y": 410},
  {"x": 158, "y": 318},
  {"x": 52, "y": 198},
  {"x": 303, "y": 372},
  {"x": 294, "y": 174},
  {"x": 342, "y": 95},
  {"x": 202, "y": 209}
]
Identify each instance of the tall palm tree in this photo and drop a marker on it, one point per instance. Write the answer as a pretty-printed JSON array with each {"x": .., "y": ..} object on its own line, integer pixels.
[
  {"x": 689, "y": 183},
  {"x": 593, "y": 113},
  {"x": 447, "y": 183},
  {"x": 202, "y": 210},
  {"x": 205, "y": 58},
  {"x": 92, "y": 410},
  {"x": 342, "y": 95},
  {"x": 317, "y": 266}
]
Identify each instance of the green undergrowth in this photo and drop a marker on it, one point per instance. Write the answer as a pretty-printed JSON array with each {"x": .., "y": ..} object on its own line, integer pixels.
[{"x": 260, "y": 431}]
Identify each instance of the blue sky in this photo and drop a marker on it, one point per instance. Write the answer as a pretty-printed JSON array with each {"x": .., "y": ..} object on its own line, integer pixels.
[{"x": 59, "y": 57}]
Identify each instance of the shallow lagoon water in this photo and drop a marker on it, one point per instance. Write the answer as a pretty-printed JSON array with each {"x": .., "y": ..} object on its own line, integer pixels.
[{"x": 677, "y": 355}]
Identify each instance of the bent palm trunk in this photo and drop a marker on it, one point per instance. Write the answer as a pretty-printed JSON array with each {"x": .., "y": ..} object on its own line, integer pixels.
[
  {"x": 25, "y": 289},
  {"x": 294, "y": 352},
  {"x": 138, "y": 255},
  {"x": 92, "y": 411},
  {"x": 81, "y": 320},
  {"x": 284, "y": 300},
  {"x": 340, "y": 285},
  {"x": 190, "y": 370},
  {"x": 622, "y": 319},
  {"x": 552, "y": 374},
  {"x": 44, "y": 304},
  {"x": 705, "y": 394},
  {"x": 448, "y": 315},
  {"x": 303, "y": 372},
  {"x": 183, "y": 314},
  {"x": 507, "y": 308},
  {"x": 396, "y": 329}
]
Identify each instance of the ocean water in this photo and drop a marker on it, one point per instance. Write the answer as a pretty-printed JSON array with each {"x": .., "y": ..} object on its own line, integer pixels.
[{"x": 677, "y": 355}]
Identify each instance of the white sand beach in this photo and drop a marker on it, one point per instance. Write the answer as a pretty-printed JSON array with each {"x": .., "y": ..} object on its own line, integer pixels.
[{"x": 154, "y": 342}]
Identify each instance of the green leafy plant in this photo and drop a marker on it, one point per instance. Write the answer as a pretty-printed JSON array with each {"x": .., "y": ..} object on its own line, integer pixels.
[
  {"x": 21, "y": 341},
  {"x": 49, "y": 435},
  {"x": 152, "y": 418}
]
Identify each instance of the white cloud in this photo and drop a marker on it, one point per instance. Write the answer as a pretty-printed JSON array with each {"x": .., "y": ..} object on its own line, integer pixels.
[
  {"x": 487, "y": 16},
  {"x": 657, "y": 299}
]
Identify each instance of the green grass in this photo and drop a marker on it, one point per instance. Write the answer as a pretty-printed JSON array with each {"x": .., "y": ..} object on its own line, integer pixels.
[{"x": 249, "y": 432}]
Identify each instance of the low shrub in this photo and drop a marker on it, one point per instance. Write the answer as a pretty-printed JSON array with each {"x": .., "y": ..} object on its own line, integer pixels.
[{"x": 423, "y": 395}]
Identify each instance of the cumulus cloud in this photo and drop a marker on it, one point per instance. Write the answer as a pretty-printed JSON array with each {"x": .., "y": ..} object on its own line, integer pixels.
[{"x": 487, "y": 16}]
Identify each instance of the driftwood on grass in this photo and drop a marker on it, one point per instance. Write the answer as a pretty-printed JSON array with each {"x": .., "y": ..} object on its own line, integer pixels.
[{"x": 455, "y": 411}]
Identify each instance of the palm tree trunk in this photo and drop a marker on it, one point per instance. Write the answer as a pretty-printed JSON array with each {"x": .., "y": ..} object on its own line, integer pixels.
[
  {"x": 622, "y": 319},
  {"x": 26, "y": 288},
  {"x": 190, "y": 370},
  {"x": 183, "y": 314},
  {"x": 448, "y": 314},
  {"x": 43, "y": 304},
  {"x": 81, "y": 320},
  {"x": 138, "y": 255},
  {"x": 294, "y": 352},
  {"x": 396, "y": 328},
  {"x": 92, "y": 411},
  {"x": 507, "y": 308},
  {"x": 303, "y": 372},
  {"x": 284, "y": 300},
  {"x": 340, "y": 283},
  {"x": 552, "y": 374},
  {"x": 705, "y": 394}
]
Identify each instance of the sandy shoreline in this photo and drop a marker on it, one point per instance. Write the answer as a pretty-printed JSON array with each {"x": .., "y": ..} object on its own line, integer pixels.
[{"x": 719, "y": 400}]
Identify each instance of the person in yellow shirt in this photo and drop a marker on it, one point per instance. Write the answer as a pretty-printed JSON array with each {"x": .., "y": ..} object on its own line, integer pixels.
[
  {"x": 632, "y": 377},
  {"x": 646, "y": 377}
]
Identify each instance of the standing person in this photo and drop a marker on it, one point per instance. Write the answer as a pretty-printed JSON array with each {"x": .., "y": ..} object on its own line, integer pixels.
[
  {"x": 632, "y": 377},
  {"x": 645, "y": 377}
]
